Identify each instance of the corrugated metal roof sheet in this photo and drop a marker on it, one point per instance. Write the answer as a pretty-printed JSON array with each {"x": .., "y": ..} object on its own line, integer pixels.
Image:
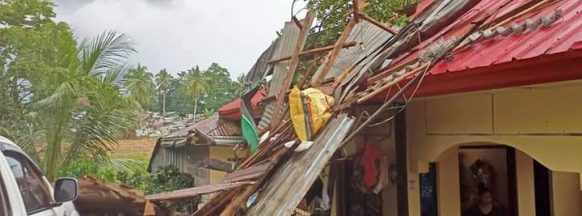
[
  {"x": 462, "y": 24},
  {"x": 368, "y": 38},
  {"x": 260, "y": 69},
  {"x": 268, "y": 115},
  {"x": 287, "y": 43},
  {"x": 212, "y": 125},
  {"x": 518, "y": 31},
  {"x": 561, "y": 36},
  {"x": 204, "y": 126},
  {"x": 289, "y": 184}
]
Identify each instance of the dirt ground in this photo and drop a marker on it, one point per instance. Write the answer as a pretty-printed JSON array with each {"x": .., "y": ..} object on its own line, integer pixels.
[{"x": 132, "y": 148}]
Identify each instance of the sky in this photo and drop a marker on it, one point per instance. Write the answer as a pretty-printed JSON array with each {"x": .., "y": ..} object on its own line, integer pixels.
[{"x": 180, "y": 34}]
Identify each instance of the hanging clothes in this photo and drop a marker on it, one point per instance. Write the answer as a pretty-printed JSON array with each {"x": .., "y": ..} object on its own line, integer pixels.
[
  {"x": 384, "y": 177},
  {"x": 370, "y": 160}
]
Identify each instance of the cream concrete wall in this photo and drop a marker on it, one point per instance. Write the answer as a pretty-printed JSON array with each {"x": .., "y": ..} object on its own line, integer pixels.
[
  {"x": 449, "y": 200},
  {"x": 544, "y": 122},
  {"x": 566, "y": 197},
  {"x": 220, "y": 153},
  {"x": 526, "y": 201}
]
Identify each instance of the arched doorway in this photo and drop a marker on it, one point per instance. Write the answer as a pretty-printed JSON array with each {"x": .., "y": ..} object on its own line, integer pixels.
[{"x": 521, "y": 184}]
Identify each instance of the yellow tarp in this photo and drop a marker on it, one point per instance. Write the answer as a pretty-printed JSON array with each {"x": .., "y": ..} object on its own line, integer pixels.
[{"x": 310, "y": 110}]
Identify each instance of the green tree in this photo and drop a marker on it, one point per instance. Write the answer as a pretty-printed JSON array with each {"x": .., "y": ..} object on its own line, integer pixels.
[
  {"x": 195, "y": 86},
  {"x": 223, "y": 88},
  {"x": 164, "y": 81},
  {"x": 140, "y": 86},
  {"x": 59, "y": 100},
  {"x": 332, "y": 17},
  {"x": 84, "y": 113}
]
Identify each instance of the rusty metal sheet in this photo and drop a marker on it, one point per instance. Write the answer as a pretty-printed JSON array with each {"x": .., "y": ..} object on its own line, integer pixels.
[
  {"x": 195, "y": 191},
  {"x": 119, "y": 199},
  {"x": 289, "y": 184},
  {"x": 204, "y": 126}
]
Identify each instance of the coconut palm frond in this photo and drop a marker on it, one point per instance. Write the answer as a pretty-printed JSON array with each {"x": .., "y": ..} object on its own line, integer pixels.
[
  {"x": 105, "y": 52},
  {"x": 116, "y": 75},
  {"x": 64, "y": 92}
]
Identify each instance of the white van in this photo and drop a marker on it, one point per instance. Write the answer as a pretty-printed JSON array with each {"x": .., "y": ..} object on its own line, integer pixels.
[{"x": 24, "y": 190}]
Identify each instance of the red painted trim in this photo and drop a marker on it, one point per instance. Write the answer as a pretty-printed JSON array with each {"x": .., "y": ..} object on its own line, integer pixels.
[{"x": 545, "y": 69}]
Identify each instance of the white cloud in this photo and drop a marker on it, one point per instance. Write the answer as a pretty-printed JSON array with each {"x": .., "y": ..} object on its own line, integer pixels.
[{"x": 178, "y": 34}]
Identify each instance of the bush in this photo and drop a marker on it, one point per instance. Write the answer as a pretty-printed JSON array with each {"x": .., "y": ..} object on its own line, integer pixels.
[{"x": 169, "y": 178}]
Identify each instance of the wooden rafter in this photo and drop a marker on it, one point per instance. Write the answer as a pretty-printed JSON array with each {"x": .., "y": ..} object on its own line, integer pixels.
[
  {"x": 311, "y": 52},
  {"x": 377, "y": 23},
  {"x": 335, "y": 52}
]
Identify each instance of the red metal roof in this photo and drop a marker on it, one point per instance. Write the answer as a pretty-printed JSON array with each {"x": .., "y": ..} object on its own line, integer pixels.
[
  {"x": 562, "y": 36},
  {"x": 231, "y": 110},
  {"x": 561, "y": 41}
]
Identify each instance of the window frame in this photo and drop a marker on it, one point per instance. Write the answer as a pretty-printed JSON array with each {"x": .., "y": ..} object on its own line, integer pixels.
[
  {"x": 29, "y": 164},
  {"x": 4, "y": 199}
]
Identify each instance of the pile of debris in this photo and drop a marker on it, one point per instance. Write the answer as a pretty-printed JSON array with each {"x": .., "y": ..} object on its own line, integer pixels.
[
  {"x": 297, "y": 133},
  {"x": 97, "y": 197}
]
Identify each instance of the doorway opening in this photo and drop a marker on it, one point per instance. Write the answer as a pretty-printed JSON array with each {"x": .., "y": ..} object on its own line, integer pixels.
[
  {"x": 542, "y": 189},
  {"x": 487, "y": 174}
]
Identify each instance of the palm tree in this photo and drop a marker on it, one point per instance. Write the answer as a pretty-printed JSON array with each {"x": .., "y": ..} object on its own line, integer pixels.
[
  {"x": 80, "y": 111},
  {"x": 164, "y": 82},
  {"x": 140, "y": 86},
  {"x": 195, "y": 86}
]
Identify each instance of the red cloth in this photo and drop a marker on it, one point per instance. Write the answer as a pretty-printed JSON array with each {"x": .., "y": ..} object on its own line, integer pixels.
[{"x": 371, "y": 154}]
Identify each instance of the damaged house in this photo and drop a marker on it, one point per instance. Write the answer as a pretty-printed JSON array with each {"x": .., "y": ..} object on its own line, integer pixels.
[
  {"x": 470, "y": 97},
  {"x": 207, "y": 143}
]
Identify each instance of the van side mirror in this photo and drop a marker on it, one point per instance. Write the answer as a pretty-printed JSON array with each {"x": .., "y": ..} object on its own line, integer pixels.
[{"x": 66, "y": 189}]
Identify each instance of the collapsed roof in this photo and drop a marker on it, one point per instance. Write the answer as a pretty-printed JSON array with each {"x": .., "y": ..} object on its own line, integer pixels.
[{"x": 446, "y": 41}]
